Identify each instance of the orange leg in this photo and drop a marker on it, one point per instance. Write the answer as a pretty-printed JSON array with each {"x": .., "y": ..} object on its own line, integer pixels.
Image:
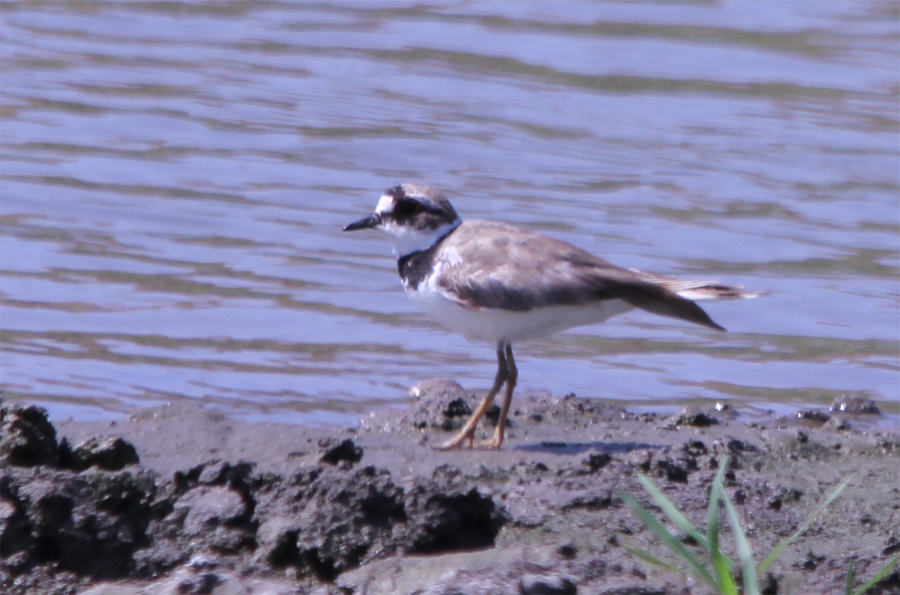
[
  {"x": 512, "y": 376},
  {"x": 504, "y": 375}
]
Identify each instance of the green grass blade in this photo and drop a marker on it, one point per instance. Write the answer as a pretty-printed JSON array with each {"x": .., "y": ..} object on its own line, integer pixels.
[
  {"x": 712, "y": 512},
  {"x": 878, "y": 575},
  {"x": 648, "y": 557},
  {"x": 674, "y": 544},
  {"x": 806, "y": 525},
  {"x": 726, "y": 585},
  {"x": 851, "y": 578},
  {"x": 722, "y": 564},
  {"x": 679, "y": 520},
  {"x": 745, "y": 554}
]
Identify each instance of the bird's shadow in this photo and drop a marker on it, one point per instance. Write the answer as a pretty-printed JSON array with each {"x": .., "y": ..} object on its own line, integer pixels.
[{"x": 574, "y": 448}]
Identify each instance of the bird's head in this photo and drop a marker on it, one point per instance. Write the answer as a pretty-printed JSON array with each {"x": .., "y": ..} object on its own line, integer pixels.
[{"x": 414, "y": 216}]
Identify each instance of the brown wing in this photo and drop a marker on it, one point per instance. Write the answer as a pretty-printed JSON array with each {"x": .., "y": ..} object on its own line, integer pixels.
[{"x": 489, "y": 264}]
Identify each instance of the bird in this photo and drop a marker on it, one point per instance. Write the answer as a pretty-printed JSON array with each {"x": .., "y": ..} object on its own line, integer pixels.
[{"x": 498, "y": 283}]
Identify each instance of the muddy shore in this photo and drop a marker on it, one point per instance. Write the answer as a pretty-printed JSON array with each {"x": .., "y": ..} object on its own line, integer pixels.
[{"x": 180, "y": 499}]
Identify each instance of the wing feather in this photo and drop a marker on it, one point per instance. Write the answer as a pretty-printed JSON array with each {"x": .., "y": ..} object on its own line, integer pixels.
[{"x": 487, "y": 264}]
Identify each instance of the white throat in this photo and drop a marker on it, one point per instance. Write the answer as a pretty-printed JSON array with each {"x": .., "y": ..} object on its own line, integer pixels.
[{"x": 407, "y": 240}]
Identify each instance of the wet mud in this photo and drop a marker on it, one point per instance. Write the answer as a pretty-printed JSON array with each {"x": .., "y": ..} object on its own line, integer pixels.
[{"x": 180, "y": 499}]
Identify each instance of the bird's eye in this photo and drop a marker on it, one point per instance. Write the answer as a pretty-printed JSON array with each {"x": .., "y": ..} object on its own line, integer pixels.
[{"x": 407, "y": 208}]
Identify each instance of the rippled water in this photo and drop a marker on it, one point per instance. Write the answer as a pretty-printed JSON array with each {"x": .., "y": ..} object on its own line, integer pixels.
[{"x": 175, "y": 176}]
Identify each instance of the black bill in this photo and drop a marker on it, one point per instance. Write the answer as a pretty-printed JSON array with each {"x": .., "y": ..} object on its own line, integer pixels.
[{"x": 367, "y": 223}]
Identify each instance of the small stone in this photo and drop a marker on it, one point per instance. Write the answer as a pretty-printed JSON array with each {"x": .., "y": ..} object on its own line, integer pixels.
[{"x": 336, "y": 452}]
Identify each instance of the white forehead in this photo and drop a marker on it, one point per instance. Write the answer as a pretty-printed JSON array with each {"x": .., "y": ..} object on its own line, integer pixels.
[{"x": 385, "y": 204}]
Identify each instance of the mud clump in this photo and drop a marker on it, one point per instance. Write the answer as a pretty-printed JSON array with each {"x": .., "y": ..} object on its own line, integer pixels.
[
  {"x": 74, "y": 516},
  {"x": 89, "y": 524},
  {"x": 27, "y": 438}
]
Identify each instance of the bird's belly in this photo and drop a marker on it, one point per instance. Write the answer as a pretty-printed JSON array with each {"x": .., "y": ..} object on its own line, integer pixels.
[{"x": 493, "y": 325}]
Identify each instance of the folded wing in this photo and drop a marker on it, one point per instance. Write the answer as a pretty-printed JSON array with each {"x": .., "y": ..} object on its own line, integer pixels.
[{"x": 495, "y": 265}]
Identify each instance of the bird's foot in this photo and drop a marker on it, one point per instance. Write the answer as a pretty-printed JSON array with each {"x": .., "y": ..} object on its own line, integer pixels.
[
  {"x": 456, "y": 441},
  {"x": 493, "y": 443}
]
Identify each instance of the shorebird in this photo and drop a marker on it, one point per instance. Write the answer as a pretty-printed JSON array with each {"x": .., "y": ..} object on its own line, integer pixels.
[{"x": 498, "y": 283}]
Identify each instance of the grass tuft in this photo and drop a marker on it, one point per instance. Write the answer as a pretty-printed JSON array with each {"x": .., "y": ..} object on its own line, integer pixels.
[{"x": 713, "y": 566}]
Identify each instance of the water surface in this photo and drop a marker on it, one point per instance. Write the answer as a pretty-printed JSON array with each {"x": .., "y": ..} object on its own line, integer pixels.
[{"x": 175, "y": 176}]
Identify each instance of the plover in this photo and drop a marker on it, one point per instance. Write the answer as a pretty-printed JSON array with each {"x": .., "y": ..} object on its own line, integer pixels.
[{"x": 498, "y": 283}]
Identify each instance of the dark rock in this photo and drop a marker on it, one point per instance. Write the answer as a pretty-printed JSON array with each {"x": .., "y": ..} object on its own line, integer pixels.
[
  {"x": 597, "y": 460},
  {"x": 547, "y": 584},
  {"x": 492, "y": 414},
  {"x": 335, "y": 451},
  {"x": 812, "y": 561},
  {"x": 672, "y": 471},
  {"x": 457, "y": 408},
  {"x": 695, "y": 448},
  {"x": 111, "y": 454},
  {"x": 200, "y": 585},
  {"x": 27, "y": 438},
  {"x": 691, "y": 416}
]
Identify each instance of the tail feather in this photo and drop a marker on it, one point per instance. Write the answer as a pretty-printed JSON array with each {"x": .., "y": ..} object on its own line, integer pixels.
[{"x": 699, "y": 290}]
